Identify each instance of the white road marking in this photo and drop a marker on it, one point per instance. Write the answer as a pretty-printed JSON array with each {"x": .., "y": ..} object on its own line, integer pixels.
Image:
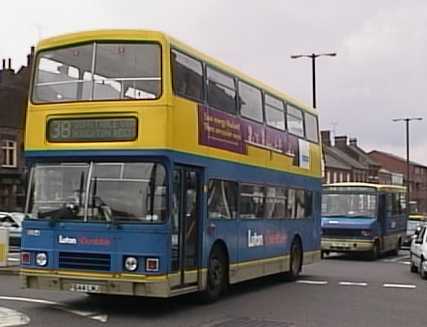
[
  {"x": 400, "y": 286},
  {"x": 353, "y": 283},
  {"x": 81, "y": 313},
  {"x": 9, "y": 318},
  {"x": 312, "y": 282}
]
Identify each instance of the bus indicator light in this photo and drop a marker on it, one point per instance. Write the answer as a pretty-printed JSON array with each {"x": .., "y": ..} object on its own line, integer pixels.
[
  {"x": 25, "y": 258},
  {"x": 152, "y": 264}
]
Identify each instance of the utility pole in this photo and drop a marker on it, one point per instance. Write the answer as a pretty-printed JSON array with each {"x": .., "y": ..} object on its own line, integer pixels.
[
  {"x": 313, "y": 57},
  {"x": 408, "y": 189}
]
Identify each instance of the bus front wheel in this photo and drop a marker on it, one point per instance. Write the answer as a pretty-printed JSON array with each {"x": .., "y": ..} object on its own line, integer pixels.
[
  {"x": 216, "y": 277},
  {"x": 375, "y": 252}
]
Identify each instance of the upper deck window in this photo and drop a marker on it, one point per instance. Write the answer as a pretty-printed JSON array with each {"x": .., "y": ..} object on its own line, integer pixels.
[
  {"x": 187, "y": 76},
  {"x": 311, "y": 128},
  {"x": 274, "y": 112},
  {"x": 295, "y": 121},
  {"x": 250, "y": 102},
  {"x": 221, "y": 91},
  {"x": 98, "y": 71}
]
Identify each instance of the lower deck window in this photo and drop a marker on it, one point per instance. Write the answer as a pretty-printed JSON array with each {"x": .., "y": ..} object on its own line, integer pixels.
[{"x": 222, "y": 199}]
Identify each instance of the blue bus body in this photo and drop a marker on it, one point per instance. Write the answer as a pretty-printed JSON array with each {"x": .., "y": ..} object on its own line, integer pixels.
[
  {"x": 380, "y": 231},
  {"x": 89, "y": 257}
]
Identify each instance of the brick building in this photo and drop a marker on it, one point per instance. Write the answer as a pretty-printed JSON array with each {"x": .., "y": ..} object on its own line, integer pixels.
[
  {"x": 340, "y": 166},
  {"x": 13, "y": 102},
  {"x": 417, "y": 177}
]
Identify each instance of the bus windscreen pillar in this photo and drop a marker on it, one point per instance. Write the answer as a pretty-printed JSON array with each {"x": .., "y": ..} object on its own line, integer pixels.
[{"x": 4, "y": 246}]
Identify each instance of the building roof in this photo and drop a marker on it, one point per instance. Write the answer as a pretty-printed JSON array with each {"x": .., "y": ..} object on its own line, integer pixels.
[
  {"x": 332, "y": 162},
  {"x": 364, "y": 155},
  {"x": 397, "y": 158},
  {"x": 344, "y": 157}
]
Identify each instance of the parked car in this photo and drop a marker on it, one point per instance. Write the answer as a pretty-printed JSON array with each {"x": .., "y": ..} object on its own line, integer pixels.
[
  {"x": 419, "y": 252},
  {"x": 13, "y": 222},
  {"x": 414, "y": 222}
]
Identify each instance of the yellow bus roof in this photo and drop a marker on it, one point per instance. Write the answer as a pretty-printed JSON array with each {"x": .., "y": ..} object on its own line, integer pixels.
[
  {"x": 379, "y": 187},
  {"x": 135, "y": 35}
]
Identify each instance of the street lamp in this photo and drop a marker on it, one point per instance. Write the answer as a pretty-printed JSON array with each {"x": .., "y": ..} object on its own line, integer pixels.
[
  {"x": 313, "y": 57},
  {"x": 407, "y": 120}
]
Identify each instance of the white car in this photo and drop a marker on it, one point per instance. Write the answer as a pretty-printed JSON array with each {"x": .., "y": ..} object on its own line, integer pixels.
[
  {"x": 419, "y": 252},
  {"x": 13, "y": 222}
]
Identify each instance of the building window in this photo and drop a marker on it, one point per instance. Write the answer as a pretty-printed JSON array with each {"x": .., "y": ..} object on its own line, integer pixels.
[{"x": 9, "y": 154}]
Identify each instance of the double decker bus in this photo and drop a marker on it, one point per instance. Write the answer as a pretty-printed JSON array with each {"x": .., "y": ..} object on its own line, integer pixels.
[
  {"x": 363, "y": 218},
  {"x": 157, "y": 170}
]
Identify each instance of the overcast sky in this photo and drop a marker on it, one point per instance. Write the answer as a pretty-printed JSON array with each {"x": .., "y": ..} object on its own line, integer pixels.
[{"x": 379, "y": 72}]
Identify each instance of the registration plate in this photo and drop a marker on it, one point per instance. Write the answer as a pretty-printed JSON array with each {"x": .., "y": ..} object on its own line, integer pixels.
[
  {"x": 340, "y": 245},
  {"x": 85, "y": 288}
]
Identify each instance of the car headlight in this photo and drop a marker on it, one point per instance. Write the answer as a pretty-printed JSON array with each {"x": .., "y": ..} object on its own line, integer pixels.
[
  {"x": 41, "y": 259},
  {"x": 131, "y": 263}
]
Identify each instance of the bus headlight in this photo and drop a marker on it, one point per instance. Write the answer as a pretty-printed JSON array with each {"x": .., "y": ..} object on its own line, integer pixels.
[
  {"x": 41, "y": 259},
  {"x": 366, "y": 233},
  {"x": 131, "y": 263}
]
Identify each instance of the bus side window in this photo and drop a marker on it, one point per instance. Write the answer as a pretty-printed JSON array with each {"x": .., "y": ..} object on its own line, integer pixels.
[
  {"x": 382, "y": 209},
  {"x": 187, "y": 76}
]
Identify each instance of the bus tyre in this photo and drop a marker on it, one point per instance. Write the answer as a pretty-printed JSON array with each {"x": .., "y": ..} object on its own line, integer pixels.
[
  {"x": 216, "y": 277},
  {"x": 295, "y": 261},
  {"x": 423, "y": 273},
  {"x": 375, "y": 252},
  {"x": 395, "y": 251}
]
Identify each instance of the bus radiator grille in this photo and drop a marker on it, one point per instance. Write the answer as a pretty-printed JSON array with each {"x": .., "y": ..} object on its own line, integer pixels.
[
  {"x": 337, "y": 232},
  {"x": 84, "y": 261}
]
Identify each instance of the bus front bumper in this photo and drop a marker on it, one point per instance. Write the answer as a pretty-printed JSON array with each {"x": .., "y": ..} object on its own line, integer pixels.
[
  {"x": 98, "y": 283},
  {"x": 346, "y": 245}
]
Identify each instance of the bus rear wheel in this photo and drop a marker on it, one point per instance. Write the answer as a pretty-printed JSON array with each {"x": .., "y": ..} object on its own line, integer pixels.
[
  {"x": 216, "y": 277},
  {"x": 295, "y": 261}
]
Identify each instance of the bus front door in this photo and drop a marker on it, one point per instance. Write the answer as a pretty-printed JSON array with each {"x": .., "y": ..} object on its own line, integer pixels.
[{"x": 185, "y": 223}]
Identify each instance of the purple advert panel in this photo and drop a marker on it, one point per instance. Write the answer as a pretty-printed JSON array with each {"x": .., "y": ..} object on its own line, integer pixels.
[{"x": 228, "y": 132}]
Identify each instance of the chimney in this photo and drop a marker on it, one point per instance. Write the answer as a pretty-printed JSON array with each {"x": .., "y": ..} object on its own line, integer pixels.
[
  {"x": 9, "y": 64},
  {"x": 341, "y": 142},
  {"x": 325, "y": 137},
  {"x": 353, "y": 141},
  {"x": 4, "y": 64}
]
